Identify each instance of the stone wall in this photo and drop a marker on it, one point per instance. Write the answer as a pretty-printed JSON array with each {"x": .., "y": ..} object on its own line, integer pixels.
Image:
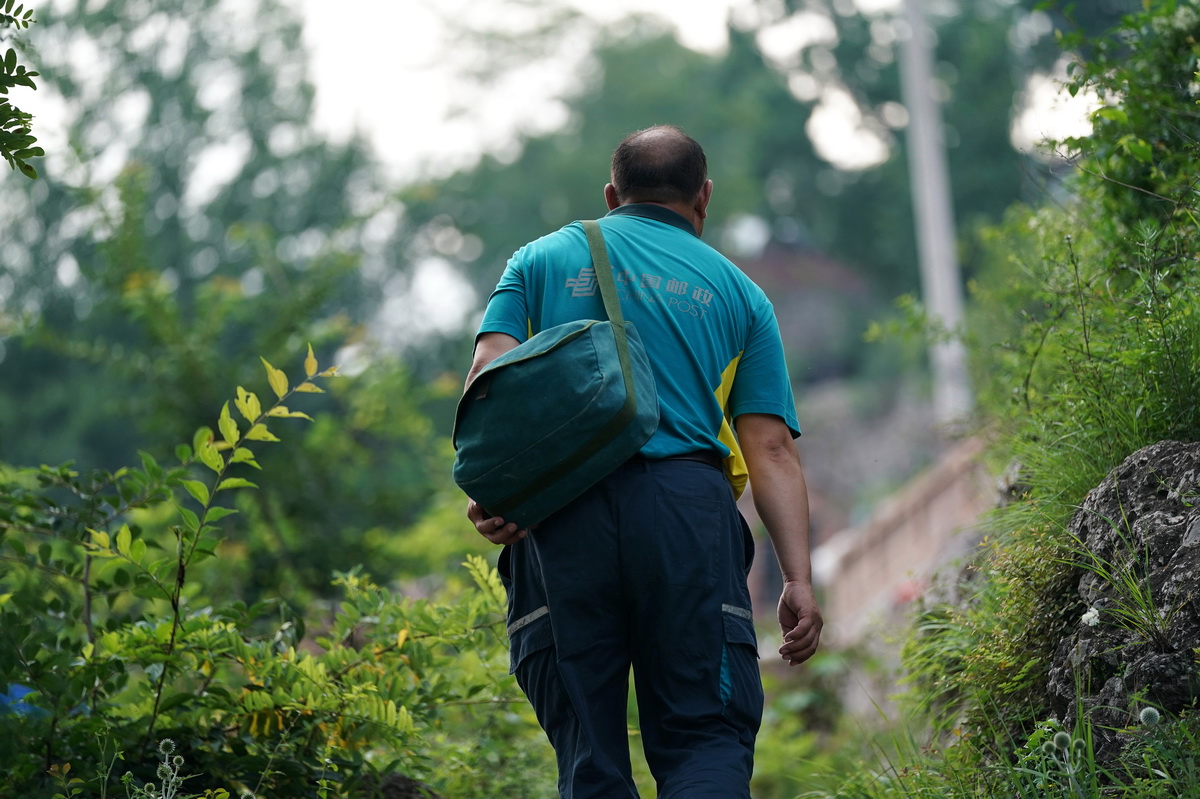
[{"x": 868, "y": 574}]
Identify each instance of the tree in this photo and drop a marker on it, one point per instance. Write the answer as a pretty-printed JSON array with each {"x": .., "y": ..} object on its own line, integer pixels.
[
  {"x": 192, "y": 164},
  {"x": 752, "y": 106},
  {"x": 17, "y": 142},
  {"x": 158, "y": 264},
  {"x": 1087, "y": 329}
]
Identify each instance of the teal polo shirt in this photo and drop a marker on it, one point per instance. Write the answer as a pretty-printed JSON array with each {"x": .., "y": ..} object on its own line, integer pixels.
[{"x": 710, "y": 332}]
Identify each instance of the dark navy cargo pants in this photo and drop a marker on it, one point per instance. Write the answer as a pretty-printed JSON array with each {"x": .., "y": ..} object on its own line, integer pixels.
[{"x": 646, "y": 570}]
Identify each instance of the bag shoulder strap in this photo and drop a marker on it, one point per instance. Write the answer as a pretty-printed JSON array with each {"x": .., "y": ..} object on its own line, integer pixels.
[
  {"x": 612, "y": 306},
  {"x": 604, "y": 272}
]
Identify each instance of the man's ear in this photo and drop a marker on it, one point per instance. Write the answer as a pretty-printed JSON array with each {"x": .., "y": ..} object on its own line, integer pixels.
[
  {"x": 610, "y": 196},
  {"x": 702, "y": 198}
]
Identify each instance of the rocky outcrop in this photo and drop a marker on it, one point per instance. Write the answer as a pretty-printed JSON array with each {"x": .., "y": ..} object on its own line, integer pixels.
[{"x": 1138, "y": 534}]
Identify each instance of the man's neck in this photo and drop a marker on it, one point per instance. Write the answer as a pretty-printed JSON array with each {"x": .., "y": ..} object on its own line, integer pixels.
[{"x": 688, "y": 212}]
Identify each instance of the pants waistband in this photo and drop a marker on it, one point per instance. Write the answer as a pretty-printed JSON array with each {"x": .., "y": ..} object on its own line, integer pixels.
[{"x": 707, "y": 457}]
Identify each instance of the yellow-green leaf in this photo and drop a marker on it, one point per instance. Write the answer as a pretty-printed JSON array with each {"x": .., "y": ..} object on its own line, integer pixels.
[
  {"x": 124, "y": 539},
  {"x": 227, "y": 426},
  {"x": 235, "y": 482},
  {"x": 276, "y": 378},
  {"x": 248, "y": 405},
  {"x": 330, "y": 372},
  {"x": 260, "y": 433},
  {"x": 210, "y": 457},
  {"x": 203, "y": 436},
  {"x": 283, "y": 413},
  {"x": 310, "y": 388},
  {"x": 137, "y": 550},
  {"x": 88, "y": 649},
  {"x": 198, "y": 490},
  {"x": 100, "y": 539},
  {"x": 310, "y": 363},
  {"x": 243, "y": 455}
]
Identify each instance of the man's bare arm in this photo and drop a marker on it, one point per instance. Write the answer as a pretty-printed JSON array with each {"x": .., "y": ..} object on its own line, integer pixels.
[
  {"x": 781, "y": 499},
  {"x": 489, "y": 347}
]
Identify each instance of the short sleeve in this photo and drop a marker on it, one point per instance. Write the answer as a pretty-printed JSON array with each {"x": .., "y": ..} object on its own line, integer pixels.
[
  {"x": 761, "y": 383},
  {"x": 507, "y": 308}
]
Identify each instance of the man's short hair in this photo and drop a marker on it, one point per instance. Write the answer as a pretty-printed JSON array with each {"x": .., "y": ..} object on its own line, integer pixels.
[{"x": 661, "y": 164}]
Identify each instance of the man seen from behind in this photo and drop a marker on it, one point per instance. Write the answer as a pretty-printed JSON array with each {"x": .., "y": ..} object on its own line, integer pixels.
[{"x": 647, "y": 570}]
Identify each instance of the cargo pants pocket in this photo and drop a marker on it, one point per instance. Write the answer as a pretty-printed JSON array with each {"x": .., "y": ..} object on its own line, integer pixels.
[{"x": 741, "y": 683}]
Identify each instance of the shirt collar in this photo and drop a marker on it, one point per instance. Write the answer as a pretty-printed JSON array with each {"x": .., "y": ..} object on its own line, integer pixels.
[{"x": 655, "y": 212}]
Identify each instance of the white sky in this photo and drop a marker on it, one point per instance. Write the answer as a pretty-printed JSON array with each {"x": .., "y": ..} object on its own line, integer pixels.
[
  {"x": 385, "y": 69},
  {"x": 404, "y": 97}
]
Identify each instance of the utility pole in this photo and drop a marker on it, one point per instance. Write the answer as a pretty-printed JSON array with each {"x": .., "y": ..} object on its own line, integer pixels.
[{"x": 941, "y": 285}]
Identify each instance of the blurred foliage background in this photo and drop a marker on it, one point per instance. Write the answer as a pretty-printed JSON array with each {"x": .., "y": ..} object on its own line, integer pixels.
[{"x": 195, "y": 220}]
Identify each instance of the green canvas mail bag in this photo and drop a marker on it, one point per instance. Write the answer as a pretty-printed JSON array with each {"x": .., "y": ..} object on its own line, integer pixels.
[{"x": 550, "y": 418}]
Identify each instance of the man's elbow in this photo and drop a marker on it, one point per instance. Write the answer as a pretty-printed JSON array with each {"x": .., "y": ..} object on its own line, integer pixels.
[
  {"x": 473, "y": 373},
  {"x": 488, "y": 347},
  {"x": 780, "y": 450},
  {"x": 766, "y": 438}
]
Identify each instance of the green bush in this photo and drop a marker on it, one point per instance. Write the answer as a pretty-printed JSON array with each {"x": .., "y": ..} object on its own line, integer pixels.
[
  {"x": 107, "y": 615},
  {"x": 1086, "y": 338}
]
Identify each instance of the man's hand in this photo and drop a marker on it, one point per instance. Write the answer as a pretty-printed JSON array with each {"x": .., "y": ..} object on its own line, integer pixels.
[
  {"x": 488, "y": 347},
  {"x": 493, "y": 528},
  {"x": 800, "y": 621},
  {"x": 781, "y": 498}
]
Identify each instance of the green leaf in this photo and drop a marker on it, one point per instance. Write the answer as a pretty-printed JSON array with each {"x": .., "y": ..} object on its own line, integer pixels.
[
  {"x": 1140, "y": 150},
  {"x": 1114, "y": 113},
  {"x": 217, "y": 513},
  {"x": 174, "y": 701},
  {"x": 276, "y": 378},
  {"x": 235, "y": 482},
  {"x": 137, "y": 550},
  {"x": 149, "y": 591},
  {"x": 100, "y": 539},
  {"x": 198, "y": 490},
  {"x": 184, "y": 453},
  {"x": 204, "y": 551},
  {"x": 150, "y": 466},
  {"x": 190, "y": 520},
  {"x": 227, "y": 426}
]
